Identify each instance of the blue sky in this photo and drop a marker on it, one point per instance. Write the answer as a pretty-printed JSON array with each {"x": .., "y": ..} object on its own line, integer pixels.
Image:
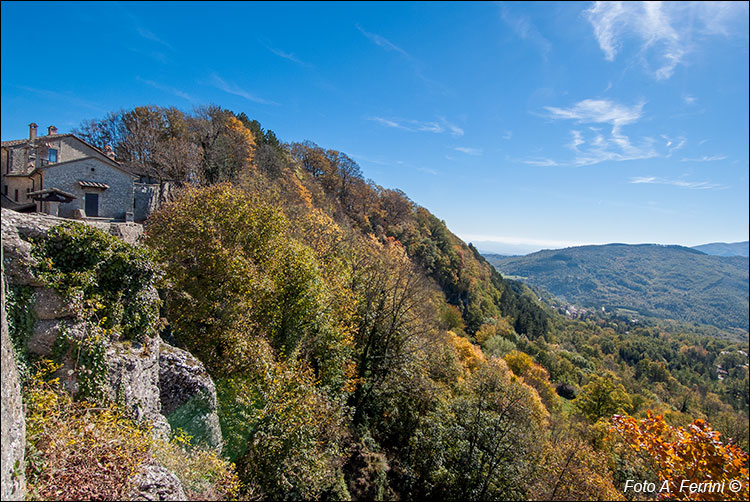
[{"x": 522, "y": 125}]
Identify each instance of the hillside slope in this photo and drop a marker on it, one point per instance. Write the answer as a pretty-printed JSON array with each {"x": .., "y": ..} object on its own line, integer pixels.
[
  {"x": 671, "y": 282},
  {"x": 725, "y": 249}
]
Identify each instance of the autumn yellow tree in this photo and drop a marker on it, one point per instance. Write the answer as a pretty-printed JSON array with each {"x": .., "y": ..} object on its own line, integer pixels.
[{"x": 693, "y": 461}]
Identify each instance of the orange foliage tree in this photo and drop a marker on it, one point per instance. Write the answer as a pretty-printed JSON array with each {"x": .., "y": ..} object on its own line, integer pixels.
[{"x": 693, "y": 461}]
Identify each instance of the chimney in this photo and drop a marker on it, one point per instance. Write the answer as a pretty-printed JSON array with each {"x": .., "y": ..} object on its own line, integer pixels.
[
  {"x": 32, "y": 130},
  {"x": 51, "y": 130},
  {"x": 109, "y": 152}
]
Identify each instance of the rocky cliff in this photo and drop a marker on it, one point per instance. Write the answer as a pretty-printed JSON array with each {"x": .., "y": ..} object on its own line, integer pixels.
[
  {"x": 13, "y": 423},
  {"x": 154, "y": 380}
]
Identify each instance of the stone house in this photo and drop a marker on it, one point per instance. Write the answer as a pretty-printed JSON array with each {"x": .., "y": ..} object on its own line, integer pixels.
[{"x": 63, "y": 175}]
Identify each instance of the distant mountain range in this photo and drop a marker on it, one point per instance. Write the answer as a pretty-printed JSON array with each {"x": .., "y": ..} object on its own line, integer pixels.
[
  {"x": 725, "y": 249},
  {"x": 672, "y": 282}
]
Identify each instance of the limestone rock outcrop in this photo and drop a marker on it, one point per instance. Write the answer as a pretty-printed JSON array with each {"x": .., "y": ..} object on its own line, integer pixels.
[
  {"x": 134, "y": 381},
  {"x": 13, "y": 437},
  {"x": 188, "y": 396},
  {"x": 152, "y": 378},
  {"x": 154, "y": 482}
]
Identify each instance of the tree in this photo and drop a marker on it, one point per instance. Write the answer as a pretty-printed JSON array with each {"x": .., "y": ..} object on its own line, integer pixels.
[
  {"x": 228, "y": 145},
  {"x": 481, "y": 444},
  {"x": 216, "y": 246},
  {"x": 282, "y": 431},
  {"x": 392, "y": 314},
  {"x": 602, "y": 397},
  {"x": 691, "y": 455},
  {"x": 150, "y": 140}
]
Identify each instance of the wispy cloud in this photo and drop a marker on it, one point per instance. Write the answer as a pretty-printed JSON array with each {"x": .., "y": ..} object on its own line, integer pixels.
[
  {"x": 166, "y": 88},
  {"x": 384, "y": 43},
  {"x": 283, "y": 54},
  {"x": 507, "y": 135},
  {"x": 665, "y": 31},
  {"x": 415, "y": 64},
  {"x": 592, "y": 146},
  {"x": 541, "y": 162},
  {"x": 427, "y": 170},
  {"x": 149, "y": 35},
  {"x": 705, "y": 158},
  {"x": 672, "y": 145},
  {"x": 601, "y": 111},
  {"x": 525, "y": 29},
  {"x": 63, "y": 97},
  {"x": 692, "y": 185},
  {"x": 421, "y": 169},
  {"x": 418, "y": 126},
  {"x": 688, "y": 99},
  {"x": 469, "y": 151},
  {"x": 288, "y": 55},
  {"x": 232, "y": 88}
]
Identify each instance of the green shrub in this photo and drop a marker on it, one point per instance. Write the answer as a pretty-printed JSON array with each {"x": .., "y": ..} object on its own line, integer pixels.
[
  {"x": 21, "y": 320},
  {"x": 76, "y": 450},
  {"x": 106, "y": 280}
]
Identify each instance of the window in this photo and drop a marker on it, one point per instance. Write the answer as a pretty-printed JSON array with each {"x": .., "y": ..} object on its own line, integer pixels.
[
  {"x": 16, "y": 194},
  {"x": 5, "y": 190},
  {"x": 52, "y": 155}
]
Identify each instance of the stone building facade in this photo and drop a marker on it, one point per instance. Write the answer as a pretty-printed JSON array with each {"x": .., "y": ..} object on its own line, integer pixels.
[{"x": 103, "y": 188}]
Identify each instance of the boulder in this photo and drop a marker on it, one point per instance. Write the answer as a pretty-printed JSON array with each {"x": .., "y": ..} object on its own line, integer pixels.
[
  {"x": 188, "y": 396},
  {"x": 134, "y": 381},
  {"x": 155, "y": 482}
]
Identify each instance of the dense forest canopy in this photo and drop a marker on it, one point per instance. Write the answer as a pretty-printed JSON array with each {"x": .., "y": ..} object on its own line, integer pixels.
[{"x": 362, "y": 351}]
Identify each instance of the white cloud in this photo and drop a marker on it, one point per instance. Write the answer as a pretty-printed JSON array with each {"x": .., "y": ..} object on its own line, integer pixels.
[
  {"x": 592, "y": 147},
  {"x": 384, "y": 42},
  {"x": 282, "y": 54},
  {"x": 577, "y": 140},
  {"x": 664, "y": 31},
  {"x": 469, "y": 151},
  {"x": 287, "y": 55},
  {"x": 166, "y": 88},
  {"x": 670, "y": 144},
  {"x": 692, "y": 185},
  {"x": 525, "y": 29},
  {"x": 705, "y": 158},
  {"x": 419, "y": 126},
  {"x": 55, "y": 96},
  {"x": 543, "y": 162},
  {"x": 602, "y": 111},
  {"x": 148, "y": 35},
  {"x": 232, "y": 88}
]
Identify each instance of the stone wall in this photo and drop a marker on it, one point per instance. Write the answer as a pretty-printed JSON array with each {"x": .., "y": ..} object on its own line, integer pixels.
[
  {"x": 70, "y": 148},
  {"x": 146, "y": 200},
  {"x": 114, "y": 202}
]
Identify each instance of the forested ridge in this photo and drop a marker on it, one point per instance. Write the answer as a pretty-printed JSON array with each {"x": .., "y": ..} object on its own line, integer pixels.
[
  {"x": 671, "y": 282},
  {"x": 360, "y": 350}
]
